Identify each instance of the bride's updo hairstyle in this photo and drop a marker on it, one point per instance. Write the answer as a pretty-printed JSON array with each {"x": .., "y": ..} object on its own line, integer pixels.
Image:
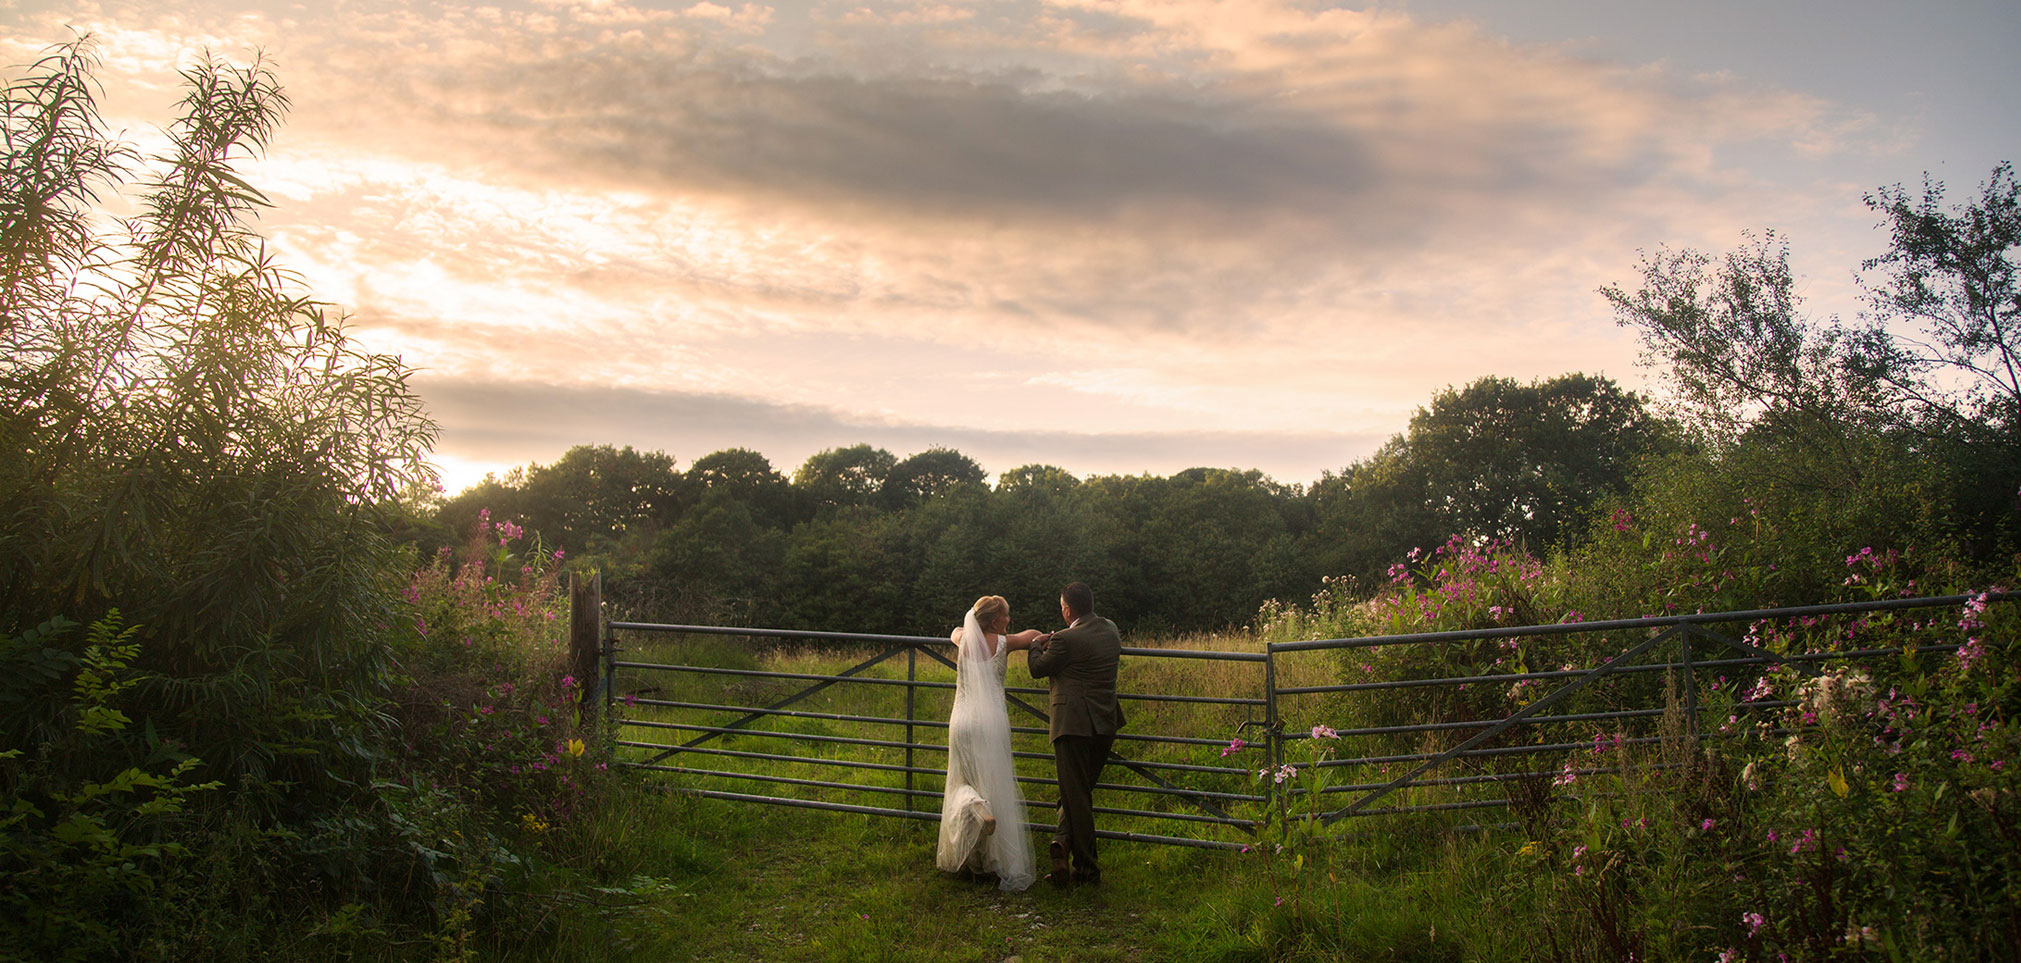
[{"x": 988, "y": 608}]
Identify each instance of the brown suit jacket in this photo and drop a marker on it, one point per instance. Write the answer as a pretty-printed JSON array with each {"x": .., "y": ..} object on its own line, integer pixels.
[{"x": 1081, "y": 662}]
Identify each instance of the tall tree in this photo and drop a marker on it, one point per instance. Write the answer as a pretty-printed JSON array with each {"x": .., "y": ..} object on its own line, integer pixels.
[
  {"x": 1501, "y": 459},
  {"x": 598, "y": 494},
  {"x": 1927, "y": 384},
  {"x": 747, "y": 476},
  {"x": 192, "y": 440},
  {"x": 926, "y": 474},
  {"x": 841, "y": 477}
]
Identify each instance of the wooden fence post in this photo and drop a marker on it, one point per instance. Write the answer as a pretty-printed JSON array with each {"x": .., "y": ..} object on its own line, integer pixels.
[{"x": 585, "y": 639}]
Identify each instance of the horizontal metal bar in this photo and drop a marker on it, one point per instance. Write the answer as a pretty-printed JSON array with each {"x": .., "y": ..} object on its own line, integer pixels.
[
  {"x": 891, "y": 744},
  {"x": 1480, "y": 724},
  {"x": 934, "y": 816},
  {"x": 1624, "y": 670},
  {"x": 1218, "y": 655},
  {"x": 936, "y": 640},
  {"x": 1615, "y": 625},
  {"x": 1178, "y": 740},
  {"x": 1168, "y": 766},
  {"x": 808, "y": 634},
  {"x": 787, "y": 713},
  {"x": 1181, "y": 817},
  {"x": 785, "y": 780},
  {"x": 774, "y": 757},
  {"x": 1473, "y": 753},
  {"x": 775, "y": 734},
  {"x": 1209, "y": 700},
  {"x": 914, "y": 683},
  {"x": 1489, "y": 778},
  {"x": 1156, "y": 790},
  {"x": 1427, "y": 808},
  {"x": 929, "y": 770},
  {"x": 1172, "y": 840},
  {"x": 761, "y": 674},
  {"x": 902, "y": 791}
]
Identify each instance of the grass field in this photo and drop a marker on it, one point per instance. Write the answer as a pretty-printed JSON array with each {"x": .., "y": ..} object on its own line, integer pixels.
[
  {"x": 764, "y": 883},
  {"x": 741, "y": 881}
]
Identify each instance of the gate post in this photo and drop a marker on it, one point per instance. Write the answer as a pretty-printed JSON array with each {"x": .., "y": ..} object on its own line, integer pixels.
[{"x": 585, "y": 639}]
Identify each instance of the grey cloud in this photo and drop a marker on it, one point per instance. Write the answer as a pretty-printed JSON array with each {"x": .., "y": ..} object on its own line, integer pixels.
[
  {"x": 514, "y": 421},
  {"x": 937, "y": 145}
]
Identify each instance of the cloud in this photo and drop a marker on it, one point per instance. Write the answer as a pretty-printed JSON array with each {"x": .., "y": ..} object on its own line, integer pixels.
[
  {"x": 500, "y": 423},
  {"x": 1247, "y": 228}
]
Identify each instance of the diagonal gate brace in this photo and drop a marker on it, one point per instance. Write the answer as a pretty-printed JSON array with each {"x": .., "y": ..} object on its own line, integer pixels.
[
  {"x": 781, "y": 704},
  {"x": 1114, "y": 757}
]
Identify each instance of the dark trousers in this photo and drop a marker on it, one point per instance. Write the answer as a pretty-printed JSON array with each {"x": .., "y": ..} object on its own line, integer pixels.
[{"x": 1079, "y": 761}]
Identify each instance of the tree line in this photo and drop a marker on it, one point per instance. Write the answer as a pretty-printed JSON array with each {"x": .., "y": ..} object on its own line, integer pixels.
[{"x": 857, "y": 539}]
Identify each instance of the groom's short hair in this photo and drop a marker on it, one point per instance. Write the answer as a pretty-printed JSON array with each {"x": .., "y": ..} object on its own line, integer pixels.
[{"x": 1079, "y": 597}]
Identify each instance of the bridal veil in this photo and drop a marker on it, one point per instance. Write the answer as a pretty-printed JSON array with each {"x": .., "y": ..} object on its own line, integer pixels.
[{"x": 981, "y": 777}]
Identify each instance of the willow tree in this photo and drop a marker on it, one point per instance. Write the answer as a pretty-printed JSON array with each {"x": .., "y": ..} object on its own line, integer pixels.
[{"x": 190, "y": 439}]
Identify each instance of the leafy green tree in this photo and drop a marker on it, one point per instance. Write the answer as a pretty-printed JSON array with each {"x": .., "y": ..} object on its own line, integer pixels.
[
  {"x": 1730, "y": 338},
  {"x": 1047, "y": 533},
  {"x": 1027, "y": 478},
  {"x": 1199, "y": 546},
  {"x": 841, "y": 477},
  {"x": 926, "y": 474},
  {"x": 1523, "y": 463},
  {"x": 1944, "y": 336},
  {"x": 1496, "y": 460},
  {"x": 595, "y": 495},
  {"x": 1945, "y": 329},
  {"x": 191, "y": 439},
  {"x": 1925, "y": 388},
  {"x": 748, "y": 477}
]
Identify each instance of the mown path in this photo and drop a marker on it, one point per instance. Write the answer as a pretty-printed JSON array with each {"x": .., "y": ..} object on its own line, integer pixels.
[
  {"x": 771, "y": 884},
  {"x": 763, "y": 883}
]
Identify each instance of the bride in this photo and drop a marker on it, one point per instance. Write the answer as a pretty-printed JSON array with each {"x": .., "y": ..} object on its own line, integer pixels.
[{"x": 982, "y": 820}]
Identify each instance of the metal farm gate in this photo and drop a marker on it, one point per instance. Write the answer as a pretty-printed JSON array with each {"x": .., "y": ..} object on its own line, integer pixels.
[{"x": 857, "y": 723}]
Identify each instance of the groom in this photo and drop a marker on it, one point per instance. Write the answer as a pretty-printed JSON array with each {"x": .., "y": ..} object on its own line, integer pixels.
[{"x": 1081, "y": 662}]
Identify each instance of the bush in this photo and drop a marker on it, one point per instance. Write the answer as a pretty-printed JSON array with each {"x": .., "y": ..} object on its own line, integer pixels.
[{"x": 94, "y": 811}]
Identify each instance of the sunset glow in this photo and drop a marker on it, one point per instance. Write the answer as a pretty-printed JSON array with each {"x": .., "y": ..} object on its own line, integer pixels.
[{"x": 1118, "y": 237}]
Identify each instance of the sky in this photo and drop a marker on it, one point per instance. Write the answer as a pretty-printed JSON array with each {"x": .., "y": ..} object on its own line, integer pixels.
[{"x": 1116, "y": 236}]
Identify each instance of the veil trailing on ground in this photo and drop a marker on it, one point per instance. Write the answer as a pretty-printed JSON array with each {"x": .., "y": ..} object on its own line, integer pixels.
[{"x": 981, "y": 779}]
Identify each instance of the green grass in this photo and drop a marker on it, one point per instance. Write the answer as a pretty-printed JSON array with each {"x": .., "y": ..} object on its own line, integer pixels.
[
  {"x": 720, "y": 880},
  {"x": 743, "y": 882}
]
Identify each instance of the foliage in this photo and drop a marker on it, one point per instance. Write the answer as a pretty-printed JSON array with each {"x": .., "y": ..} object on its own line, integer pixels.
[
  {"x": 589, "y": 500},
  {"x": 1860, "y": 812},
  {"x": 93, "y": 811},
  {"x": 194, "y": 441},
  {"x": 844, "y": 477},
  {"x": 863, "y": 540},
  {"x": 1497, "y": 460},
  {"x": 1924, "y": 387}
]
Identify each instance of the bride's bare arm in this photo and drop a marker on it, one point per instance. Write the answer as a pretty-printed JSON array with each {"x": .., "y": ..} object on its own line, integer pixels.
[{"x": 1022, "y": 640}]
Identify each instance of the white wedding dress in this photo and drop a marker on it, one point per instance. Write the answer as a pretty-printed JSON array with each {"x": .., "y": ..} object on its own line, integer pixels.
[{"x": 981, "y": 779}]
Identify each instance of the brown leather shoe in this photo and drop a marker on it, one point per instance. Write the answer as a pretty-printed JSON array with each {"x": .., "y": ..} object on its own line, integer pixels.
[{"x": 1060, "y": 875}]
